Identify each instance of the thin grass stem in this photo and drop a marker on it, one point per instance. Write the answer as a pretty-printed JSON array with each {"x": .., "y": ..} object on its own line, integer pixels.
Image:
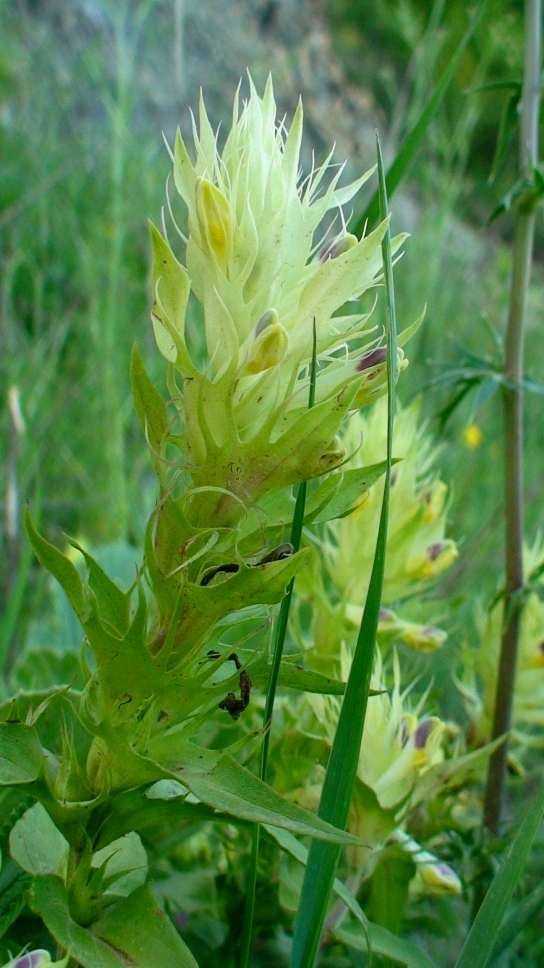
[{"x": 513, "y": 419}]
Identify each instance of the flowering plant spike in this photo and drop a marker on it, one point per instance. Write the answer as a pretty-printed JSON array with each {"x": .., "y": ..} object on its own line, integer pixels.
[
  {"x": 262, "y": 276},
  {"x": 159, "y": 675}
]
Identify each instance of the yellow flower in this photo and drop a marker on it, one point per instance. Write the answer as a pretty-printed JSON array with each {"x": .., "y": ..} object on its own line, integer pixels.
[{"x": 472, "y": 436}]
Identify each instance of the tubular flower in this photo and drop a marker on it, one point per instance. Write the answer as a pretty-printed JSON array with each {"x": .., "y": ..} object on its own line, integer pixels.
[
  {"x": 479, "y": 680},
  {"x": 252, "y": 261},
  {"x": 416, "y": 548},
  {"x": 38, "y": 958},
  {"x": 433, "y": 876}
]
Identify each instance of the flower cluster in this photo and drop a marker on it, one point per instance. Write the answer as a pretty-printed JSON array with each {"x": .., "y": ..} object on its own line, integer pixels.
[
  {"x": 266, "y": 283},
  {"x": 336, "y": 580}
]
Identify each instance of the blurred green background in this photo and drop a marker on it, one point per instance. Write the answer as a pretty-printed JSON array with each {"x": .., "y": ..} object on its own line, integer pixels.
[{"x": 86, "y": 89}]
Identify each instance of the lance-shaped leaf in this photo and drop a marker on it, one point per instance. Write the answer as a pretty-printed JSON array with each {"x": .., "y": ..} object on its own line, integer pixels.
[
  {"x": 113, "y": 604},
  {"x": 58, "y": 565},
  {"x": 218, "y": 780},
  {"x": 478, "y": 947},
  {"x": 150, "y": 409},
  {"x": 402, "y": 163}
]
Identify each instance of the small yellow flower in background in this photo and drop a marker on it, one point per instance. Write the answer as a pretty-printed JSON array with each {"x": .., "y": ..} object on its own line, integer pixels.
[{"x": 472, "y": 436}]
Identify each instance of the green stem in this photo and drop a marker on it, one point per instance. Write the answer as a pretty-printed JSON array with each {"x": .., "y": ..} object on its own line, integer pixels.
[{"x": 513, "y": 419}]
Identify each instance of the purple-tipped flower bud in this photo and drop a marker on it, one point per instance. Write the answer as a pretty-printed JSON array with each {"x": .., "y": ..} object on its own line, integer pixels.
[
  {"x": 372, "y": 358},
  {"x": 267, "y": 318},
  {"x": 421, "y": 734},
  {"x": 269, "y": 346},
  {"x": 338, "y": 247}
]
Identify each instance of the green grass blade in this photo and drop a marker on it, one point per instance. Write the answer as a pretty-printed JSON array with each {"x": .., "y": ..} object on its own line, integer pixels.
[
  {"x": 479, "y": 945},
  {"x": 523, "y": 913},
  {"x": 344, "y": 758},
  {"x": 402, "y": 163},
  {"x": 17, "y": 599},
  {"x": 281, "y": 631}
]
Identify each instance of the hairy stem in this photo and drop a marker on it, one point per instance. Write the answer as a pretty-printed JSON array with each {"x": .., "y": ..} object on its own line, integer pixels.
[{"x": 513, "y": 418}]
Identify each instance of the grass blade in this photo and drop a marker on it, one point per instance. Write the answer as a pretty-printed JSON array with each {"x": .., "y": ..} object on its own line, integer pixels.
[
  {"x": 402, "y": 163},
  {"x": 523, "y": 913},
  {"x": 344, "y": 758},
  {"x": 479, "y": 945},
  {"x": 16, "y": 602},
  {"x": 281, "y": 630}
]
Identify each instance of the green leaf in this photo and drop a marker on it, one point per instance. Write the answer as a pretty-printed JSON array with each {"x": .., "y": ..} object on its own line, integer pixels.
[
  {"x": 305, "y": 680},
  {"x": 509, "y": 122},
  {"x": 37, "y": 845},
  {"x": 218, "y": 780},
  {"x": 402, "y": 163},
  {"x": 58, "y": 565},
  {"x": 386, "y": 944},
  {"x": 150, "y": 409},
  {"x": 13, "y": 885},
  {"x": 126, "y": 864},
  {"x": 478, "y": 947},
  {"x": 135, "y": 932},
  {"x": 389, "y": 887},
  {"x": 522, "y": 915},
  {"x": 21, "y": 755},
  {"x": 382, "y": 941},
  {"x": 113, "y": 604},
  {"x": 339, "y": 494},
  {"x": 344, "y": 758}
]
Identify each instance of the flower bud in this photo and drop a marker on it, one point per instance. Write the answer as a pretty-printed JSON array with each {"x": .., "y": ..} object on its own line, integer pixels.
[
  {"x": 438, "y": 878},
  {"x": 38, "y": 958},
  {"x": 433, "y": 561},
  {"x": 423, "y": 638},
  {"x": 337, "y": 248},
  {"x": 372, "y": 358},
  {"x": 434, "y": 501},
  {"x": 269, "y": 346},
  {"x": 213, "y": 215}
]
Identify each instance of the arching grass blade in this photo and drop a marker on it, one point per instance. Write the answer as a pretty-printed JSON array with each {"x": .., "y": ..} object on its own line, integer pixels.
[
  {"x": 343, "y": 761},
  {"x": 479, "y": 945},
  {"x": 281, "y": 631}
]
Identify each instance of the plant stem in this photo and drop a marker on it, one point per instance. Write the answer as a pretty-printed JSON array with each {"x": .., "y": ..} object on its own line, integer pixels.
[{"x": 513, "y": 419}]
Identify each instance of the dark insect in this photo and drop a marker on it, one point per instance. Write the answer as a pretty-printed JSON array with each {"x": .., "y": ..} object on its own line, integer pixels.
[{"x": 231, "y": 703}]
